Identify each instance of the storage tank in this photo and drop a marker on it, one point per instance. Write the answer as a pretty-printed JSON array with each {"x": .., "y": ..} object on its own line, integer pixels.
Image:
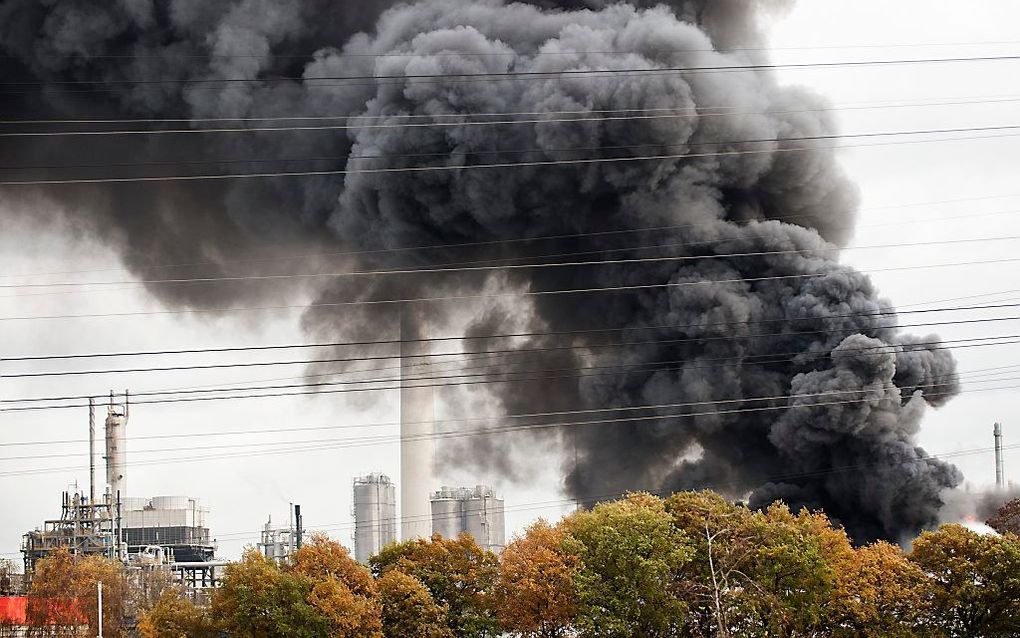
[
  {"x": 477, "y": 511},
  {"x": 446, "y": 513},
  {"x": 375, "y": 515}
]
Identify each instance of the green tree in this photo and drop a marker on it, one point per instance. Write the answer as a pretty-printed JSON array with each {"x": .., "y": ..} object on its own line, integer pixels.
[
  {"x": 458, "y": 573},
  {"x": 975, "y": 580},
  {"x": 257, "y": 599},
  {"x": 408, "y": 610},
  {"x": 536, "y": 595},
  {"x": 630, "y": 556},
  {"x": 174, "y": 616},
  {"x": 792, "y": 572}
]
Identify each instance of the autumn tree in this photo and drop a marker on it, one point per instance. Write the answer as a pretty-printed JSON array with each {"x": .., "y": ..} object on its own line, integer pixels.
[
  {"x": 975, "y": 580},
  {"x": 630, "y": 556},
  {"x": 458, "y": 574},
  {"x": 174, "y": 616},
  {"x": 878, "y": 593},
  {"x": 341, "y": 588},
  {"x": 791, "y": 573},
  {"x": 757, "y": 573},
  {"x": 257, "y": 599},
  {"x": 1007, "y": 518},
  {"x": 408, "y": 610},
  {"x": 64, "y": 591},
  {"x": 536, "y": 594},
  {"x": 724, "y": 539}
]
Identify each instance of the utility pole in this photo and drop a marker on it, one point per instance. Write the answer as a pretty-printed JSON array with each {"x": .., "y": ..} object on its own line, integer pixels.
[
  {"x": 92, "y": 454},
  {"x": 99, "y": 594}
]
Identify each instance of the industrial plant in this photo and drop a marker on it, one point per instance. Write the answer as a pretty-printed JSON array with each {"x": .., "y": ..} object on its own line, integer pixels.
[{"x": 168, "y": 531}]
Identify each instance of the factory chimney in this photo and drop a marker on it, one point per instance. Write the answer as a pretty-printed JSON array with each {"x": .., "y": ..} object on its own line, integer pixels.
[
  {"x": 417, "y": 413},
  {"x": 116, "y": 446},
  {"x": 1000, "y": 478}
]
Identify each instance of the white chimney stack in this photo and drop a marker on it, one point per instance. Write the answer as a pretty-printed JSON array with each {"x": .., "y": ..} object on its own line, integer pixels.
[{"x": 417, "y": 416}]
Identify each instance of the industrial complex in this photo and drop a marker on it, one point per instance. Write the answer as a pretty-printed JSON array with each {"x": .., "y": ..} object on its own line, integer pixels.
[{"x": 172, "y": 532}]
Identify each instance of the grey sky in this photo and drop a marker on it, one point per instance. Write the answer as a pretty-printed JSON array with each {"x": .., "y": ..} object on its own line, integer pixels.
[{"x": 242, "y": 491}]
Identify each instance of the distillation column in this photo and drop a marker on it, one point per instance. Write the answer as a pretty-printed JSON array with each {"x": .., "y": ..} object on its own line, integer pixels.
[{"x": 116, "y": 448}]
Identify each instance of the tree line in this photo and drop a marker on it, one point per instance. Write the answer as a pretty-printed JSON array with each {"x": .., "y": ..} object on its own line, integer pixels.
[{"x": 691, "y": 565}]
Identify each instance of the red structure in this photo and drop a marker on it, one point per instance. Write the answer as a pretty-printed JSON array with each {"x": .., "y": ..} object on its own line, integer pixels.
[{"x": 14, "y": 610}]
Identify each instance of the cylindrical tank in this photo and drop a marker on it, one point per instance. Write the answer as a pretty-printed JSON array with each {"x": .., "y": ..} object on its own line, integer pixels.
[
  {"x": 446, "y": 515},
  {"x": 375, "y": 523},
  {"x": 417, "y": 417},
  {"x": 116, "y": 451}
]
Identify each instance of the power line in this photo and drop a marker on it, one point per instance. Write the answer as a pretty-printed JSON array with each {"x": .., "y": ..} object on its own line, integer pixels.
[
  {"x": 604, "y": 115},
  {"x": 470, "y": 433},
  {"x": 545, "y": 53},
  {"x": 517, "y": 75},
  {"x": 513, "y": 240},
  {"x": 624, "y": 409},
  {"x": 512, "y": 335},
  {"x": 512, "y": 351},
  {"x": 539, "y": 163},
  {"x": 382, "y": 439},
  {"x": 456, "y": 380},
  {"x": 967, "y": 376},
  {"x": 697, "y": 110},
  {"x": 808, "y": 252},
  {"x": 525, "y": 293}
]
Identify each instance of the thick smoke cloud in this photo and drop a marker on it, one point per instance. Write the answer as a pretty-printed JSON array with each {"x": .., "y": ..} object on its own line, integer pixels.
[{"x": 747, "y": 318}]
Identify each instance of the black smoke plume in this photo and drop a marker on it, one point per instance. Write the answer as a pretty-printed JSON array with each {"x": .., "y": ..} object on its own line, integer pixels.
[{"x": 785, "y": 372}]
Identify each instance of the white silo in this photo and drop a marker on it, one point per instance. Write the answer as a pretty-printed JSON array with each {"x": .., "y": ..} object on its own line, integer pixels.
[
  {"x": 417, "y": 414},
  {"x": 477, "y": 511},
  {"x": 116, "y": 448},
  {"x": 447, "y": 517},
  {"x": 375, "y": 515}
]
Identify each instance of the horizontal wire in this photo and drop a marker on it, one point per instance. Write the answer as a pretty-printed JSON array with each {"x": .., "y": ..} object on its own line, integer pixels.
[
  {"x": 485, "y": 378},
  {"x": 968, "y": 377},
  {"x": 663, "y": 113},
  {"x": 965, "y": 376},
  {"x": 510, "y": 335},
  {"x": 525, "y": 293},
  {"x": 881, "y": 394},
  {"x": 806, "y": 252},
  {"x": 541, "y": 75},
  {"x": 514, "y": 240},
  {"x": 697, "y": 111},
  {"x": 429, "y": 358},
  {"x": 544, "y": 53},
  {"x": 485, "y": 432},
  {"x": 541, "y": 163}
]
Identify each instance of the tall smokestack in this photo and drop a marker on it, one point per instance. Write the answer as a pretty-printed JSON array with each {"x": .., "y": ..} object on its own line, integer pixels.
[
  {"x": 417, "y": 412},
  {"x": 116, "y": 447},
  {"x": 1000, "y": 480}
]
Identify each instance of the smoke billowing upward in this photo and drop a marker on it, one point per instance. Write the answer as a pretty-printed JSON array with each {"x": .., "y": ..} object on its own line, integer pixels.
[{"x": 762, "y": 343}]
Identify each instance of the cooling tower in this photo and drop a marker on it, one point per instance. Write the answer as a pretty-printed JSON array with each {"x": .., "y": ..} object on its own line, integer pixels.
[{"x": 416, "y": 423}]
